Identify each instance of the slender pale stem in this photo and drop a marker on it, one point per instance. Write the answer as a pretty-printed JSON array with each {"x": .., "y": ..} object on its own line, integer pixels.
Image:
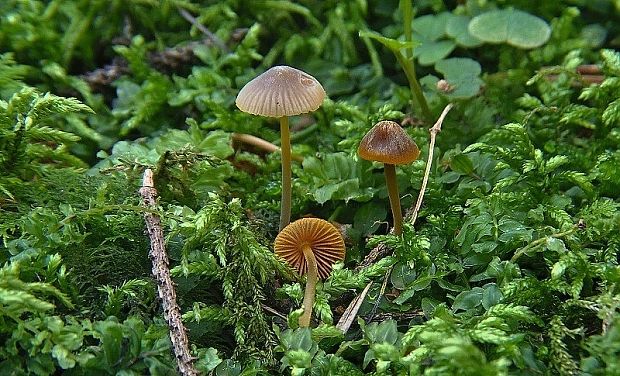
[
  {"x": 414, "y": 85},
  {"x": 520, "y": 252},
  {"x": 392, "y": 186},
  {"x": 285, "y": 147},
  {"x": 407, "y": 12},
  {"x": 435, "y": 129},
  {"x": 406, "y": 61},
  {"x": 311, "y": 279}
]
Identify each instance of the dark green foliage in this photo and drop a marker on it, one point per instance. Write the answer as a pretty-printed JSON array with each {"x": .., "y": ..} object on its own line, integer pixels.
[{"x": 512, "y": 267}]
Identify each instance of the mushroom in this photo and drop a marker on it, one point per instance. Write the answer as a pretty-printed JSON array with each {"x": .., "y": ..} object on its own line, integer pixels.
[
  {"x": 312, "y": 246},
  {"x": 388, "y": 143},
  {"x": 281, "y": 92}
]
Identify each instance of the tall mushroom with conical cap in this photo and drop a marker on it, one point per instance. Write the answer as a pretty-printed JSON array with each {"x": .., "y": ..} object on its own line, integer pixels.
[
  {"x": 281, "y": 92},
  {"x": 312, "y": 246},
  {"x": 388, "y": 143}
]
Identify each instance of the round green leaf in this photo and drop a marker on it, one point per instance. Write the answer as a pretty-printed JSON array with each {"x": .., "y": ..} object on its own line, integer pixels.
[
  {"x": 456, "y": 28},
  {"x": 431, "y": 27},
  {"x": 461, "y": 73},
  {"x": 430, "y": 52},
  {"x": 511, "y": 26}
]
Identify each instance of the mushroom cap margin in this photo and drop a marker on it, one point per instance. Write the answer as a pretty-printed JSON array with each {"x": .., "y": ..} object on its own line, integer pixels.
[{"x": 321, "y": 236}]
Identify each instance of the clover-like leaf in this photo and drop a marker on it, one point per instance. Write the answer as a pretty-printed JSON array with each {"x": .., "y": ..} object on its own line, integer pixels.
[
  {"x": 462, "y": 74},
  {"x": 457, "y": 28},
  {"x": 429, "y": 52},
  {"x": 431, "y": 27},
  {"x": 512, "y": 26}
]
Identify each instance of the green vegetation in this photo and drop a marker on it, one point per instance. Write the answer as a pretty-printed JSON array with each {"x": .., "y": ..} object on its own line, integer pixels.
[{"x": 512, "y": 267}]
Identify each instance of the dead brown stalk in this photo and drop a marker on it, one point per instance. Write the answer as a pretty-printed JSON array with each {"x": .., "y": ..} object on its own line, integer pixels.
[{"x": 165, "y": 286}]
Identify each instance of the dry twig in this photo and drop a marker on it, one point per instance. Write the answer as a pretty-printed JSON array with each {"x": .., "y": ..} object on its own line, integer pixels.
[
  {"x": 165, "y": 286},
  {"x": 203, "y": 29},
  {"x": 261, "y": 144},
  {"x": 435, "y": 129}
]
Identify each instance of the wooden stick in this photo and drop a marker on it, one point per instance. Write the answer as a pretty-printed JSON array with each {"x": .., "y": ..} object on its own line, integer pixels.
[
  {"x": 261, "y": 144},
  {"x": 203, "y": 29},
  {"x": 349, "y": 314},
  {"x": 165, "y": 286},
  {"x": 435, "y": 129}
]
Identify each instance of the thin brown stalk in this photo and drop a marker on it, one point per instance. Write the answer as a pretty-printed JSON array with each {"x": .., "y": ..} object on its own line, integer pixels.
[
  {"x": 203, "y": 29},
  {"x": 261, "y": 144},
  {"x": 165, "y": 286}
]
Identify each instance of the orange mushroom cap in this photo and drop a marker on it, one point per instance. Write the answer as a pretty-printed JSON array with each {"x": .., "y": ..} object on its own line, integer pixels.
[
  {"x": 387, "y": 142},
  {"x": 281, "y": 91},
  {"x": 321, "y": 236}
]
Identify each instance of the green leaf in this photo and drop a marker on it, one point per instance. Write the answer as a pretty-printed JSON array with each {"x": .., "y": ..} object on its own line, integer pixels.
[
  {"x": 402, "y": 275},
  {"x": 512, "y": 26},
  {"x": 111, "y": 336},
  {"x": 468, "y": 299},
  {"x": 215, "y": 143},
  {"x": 208, "y": 360},
  {"x": 462, "y": 164},
  {"x": 491, "y": 295},
  {"x": 462, "y": 74},
  {"x": 431, "y": 27},
  {"x": 428, "y": 306},
  {"x": 429, "y": 52},
  {"x": 457, "y": 28},
  {"x": 369, "y": 217},
  {"x": 326, "y": 331},
  {"x": 336, "y": 177},
  {"x": 392, "y": 44},
  {"x": 419, "y": 284},
  {"x": 385, "y": 331},
  {"x": 63, "y": 357}
]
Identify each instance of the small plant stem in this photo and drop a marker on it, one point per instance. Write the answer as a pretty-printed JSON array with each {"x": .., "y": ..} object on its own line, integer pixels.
[
  {"x": 165, "y": 286},
  {"x": 273, "y": 311},
  {"x": 407, "y": 11},
  {"x": 392, "y": 186},
  {"x": 414, "y": 85},
  {"x": 374, "y": 57},
  {"x": 304, "y": 132},
  {"x": 311, "y": 279},
  {"x": 285, "y": 210},
  {"x": 435, "y": 129},
  {"x": 538, "y": 242},
  {"x": 406, "y": 61},
  {"x": 212, "y": 37},
  {"x": 335, "y": 214},
  {"x": 261, "y": 144}
]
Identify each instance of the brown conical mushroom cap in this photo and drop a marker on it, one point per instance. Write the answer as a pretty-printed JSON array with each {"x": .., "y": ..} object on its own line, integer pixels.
[
  {"x": 323, "y": 238},
  {"x": 281, "y": 91},
  {"x": 388, "y": 143}
]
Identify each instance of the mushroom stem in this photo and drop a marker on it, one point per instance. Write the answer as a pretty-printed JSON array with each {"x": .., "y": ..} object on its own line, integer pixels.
[
  {"x": 392, "y": 186},
  {"x": 285, "y": 147},
  {"x": 311, "y": 279}
]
